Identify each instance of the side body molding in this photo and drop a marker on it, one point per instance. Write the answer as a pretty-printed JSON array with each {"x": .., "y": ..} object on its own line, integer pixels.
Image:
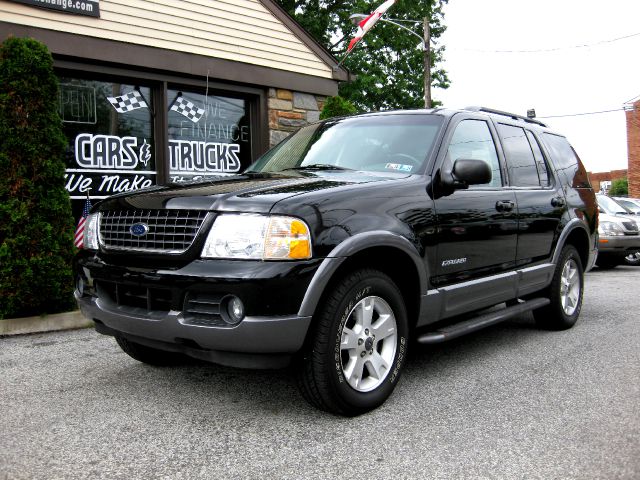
[{"x": 348, "y": 248}]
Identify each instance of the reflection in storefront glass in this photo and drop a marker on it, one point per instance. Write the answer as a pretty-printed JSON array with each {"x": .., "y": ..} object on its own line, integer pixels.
[{"x": 208, "y": 135}]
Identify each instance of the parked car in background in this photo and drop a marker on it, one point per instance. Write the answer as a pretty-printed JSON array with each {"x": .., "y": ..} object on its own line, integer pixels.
[
  {"x": 618, "y": 229},
  {"x": 632, "y": 204}
]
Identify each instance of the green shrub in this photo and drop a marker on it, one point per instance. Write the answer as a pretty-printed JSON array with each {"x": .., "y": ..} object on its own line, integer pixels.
[
  {"x": 337, "y": 107},
  {"x": 36, "y": 226},
  {"x": 619, "y": 187}
]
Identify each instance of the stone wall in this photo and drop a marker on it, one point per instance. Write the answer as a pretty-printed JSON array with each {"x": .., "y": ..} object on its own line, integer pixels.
[
  {"x": 633, "y": 146},
  {"x": 288, "y": 111}
]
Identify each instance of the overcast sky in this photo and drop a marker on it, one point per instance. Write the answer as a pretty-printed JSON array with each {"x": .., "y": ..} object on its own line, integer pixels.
[{"x": 557, "y": 79}]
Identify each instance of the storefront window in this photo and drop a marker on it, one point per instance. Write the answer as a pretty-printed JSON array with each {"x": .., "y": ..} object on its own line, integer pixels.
[
  {"x": 208, "y": 135},
  {"x": 109, "y": 130}
]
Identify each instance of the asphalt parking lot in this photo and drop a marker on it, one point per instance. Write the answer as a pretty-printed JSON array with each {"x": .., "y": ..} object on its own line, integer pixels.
[{"x": 508, "y": 402}]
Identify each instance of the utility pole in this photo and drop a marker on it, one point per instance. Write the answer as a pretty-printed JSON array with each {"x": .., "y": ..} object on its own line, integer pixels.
[{"x": 427, "y": 63}]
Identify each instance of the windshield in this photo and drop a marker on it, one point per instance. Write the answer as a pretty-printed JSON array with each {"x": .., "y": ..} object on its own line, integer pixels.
[
  {"x": 630, "y": 205},
  {"x": 610, "y": 206},
  {"x": 378, "y": 143}
]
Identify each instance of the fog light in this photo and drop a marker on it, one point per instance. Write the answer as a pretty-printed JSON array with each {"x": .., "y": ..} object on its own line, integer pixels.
[{"x": 232, "y": 310}]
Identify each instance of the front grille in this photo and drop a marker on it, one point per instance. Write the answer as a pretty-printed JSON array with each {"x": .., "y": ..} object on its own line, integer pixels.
[
  {"x": 203, "y": 309},
  {"x": 151, "y": 299},
  {"x": 167, "y": 231}
]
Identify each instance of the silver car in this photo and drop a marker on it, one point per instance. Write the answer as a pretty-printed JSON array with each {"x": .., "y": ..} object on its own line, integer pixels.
[{"x": 618, "y": 230}]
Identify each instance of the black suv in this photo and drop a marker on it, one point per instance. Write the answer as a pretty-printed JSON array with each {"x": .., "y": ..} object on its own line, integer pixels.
[{"x": 343, "y": 243}]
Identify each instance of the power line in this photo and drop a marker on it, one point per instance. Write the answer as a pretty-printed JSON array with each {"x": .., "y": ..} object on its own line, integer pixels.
[
  {"x": 588, "y": 113},
  {"x": 554, "y": 49}
]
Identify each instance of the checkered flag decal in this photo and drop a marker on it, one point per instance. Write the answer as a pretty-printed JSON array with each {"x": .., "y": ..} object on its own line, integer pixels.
[
  {"x": 128, "y": 102},
  {"x": 187, "y": 109}
]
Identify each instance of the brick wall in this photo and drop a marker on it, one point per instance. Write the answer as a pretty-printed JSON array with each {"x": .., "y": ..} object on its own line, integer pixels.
[
  {"x": 598, "y": 177},
  {"x": 288, "y": 111},
  {"x": 633, "y": 145}
]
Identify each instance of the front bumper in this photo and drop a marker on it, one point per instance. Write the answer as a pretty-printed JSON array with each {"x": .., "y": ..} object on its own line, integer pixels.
[
  {"x": 152, "y": 306},
  {"x": 618, "y": 245}
]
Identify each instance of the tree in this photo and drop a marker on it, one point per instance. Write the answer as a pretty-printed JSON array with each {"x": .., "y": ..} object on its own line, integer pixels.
[
  {"x": 337, "y": 107},
  {"x": 36, "y": 226},
  {"x": 619, "y": 187},
  {"x": 388, "y": 62}
]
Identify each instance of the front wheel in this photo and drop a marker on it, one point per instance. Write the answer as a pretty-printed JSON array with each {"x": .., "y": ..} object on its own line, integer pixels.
[
  {"x": 633, "y": 259},
  {"x": 353, "y": 359},
  {"x": 565, "y": 293}
]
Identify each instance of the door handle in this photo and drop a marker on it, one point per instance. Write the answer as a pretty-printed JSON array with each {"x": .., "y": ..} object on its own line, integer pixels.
[
  {"x": 504, "y": 205},
  {"x": 558, "y": 202}
]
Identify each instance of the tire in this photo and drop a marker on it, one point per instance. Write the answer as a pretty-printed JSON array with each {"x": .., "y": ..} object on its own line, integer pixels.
[
  {"x": 344, "y": 369},
  {"x": 633, "y": 259},
  {"x": 565, "y": 293},
  {"x": 148, "y": 355}
]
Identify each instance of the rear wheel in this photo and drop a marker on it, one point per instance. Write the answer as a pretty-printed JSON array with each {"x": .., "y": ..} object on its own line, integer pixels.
[
  {"x": 565, "y": 293},
  {"x": 151, "y": 356},
  {"x": 353, "y": 360}
]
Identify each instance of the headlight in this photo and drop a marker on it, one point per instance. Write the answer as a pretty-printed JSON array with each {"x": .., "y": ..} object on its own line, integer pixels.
[
  {"x": 91, "y": 232},
  {"x": 258, "y": 237},
  {"x": 610, "y": 229}
]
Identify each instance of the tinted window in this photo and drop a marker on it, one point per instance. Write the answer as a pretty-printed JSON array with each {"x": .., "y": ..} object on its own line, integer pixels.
[
  {"x": 521, "y": 164},
  {"x": 566, "y": 160},
  {"x": 543, "y": 172},
  {"x": 472, "y": 139}
]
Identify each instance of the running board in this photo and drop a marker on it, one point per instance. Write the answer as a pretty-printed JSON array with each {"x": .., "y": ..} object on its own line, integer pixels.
[{"x": 478, "y": 323}]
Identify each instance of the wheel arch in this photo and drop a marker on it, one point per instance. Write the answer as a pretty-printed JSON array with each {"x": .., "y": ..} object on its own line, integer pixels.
[
  {"x": 576, "y": 234},
  {"x": 392, "y": 254}
]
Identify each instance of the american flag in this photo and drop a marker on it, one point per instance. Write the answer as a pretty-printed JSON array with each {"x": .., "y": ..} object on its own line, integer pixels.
[
  {"x": 367, "y": 23},
  {"x": 79, "y": 238}
]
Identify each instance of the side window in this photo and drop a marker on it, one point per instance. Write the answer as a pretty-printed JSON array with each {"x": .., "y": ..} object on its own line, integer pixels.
[
  {"x": 521, "y": 164},
  {"x": 566, "y": 161},
  {"x": 472, "y": 139},
  {"x": 543, "y": 171}
]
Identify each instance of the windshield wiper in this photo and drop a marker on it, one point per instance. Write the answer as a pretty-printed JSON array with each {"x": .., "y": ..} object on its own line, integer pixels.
[{"x": 317, "y": 166}]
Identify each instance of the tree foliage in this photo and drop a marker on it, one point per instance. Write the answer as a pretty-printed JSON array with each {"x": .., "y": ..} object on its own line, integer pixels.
[
  {"x": 388, "y": 62},
  {"x": 337, "y": 107},
  {"x": 619, "y": 187},
  {"x": 36, "y": 226}
]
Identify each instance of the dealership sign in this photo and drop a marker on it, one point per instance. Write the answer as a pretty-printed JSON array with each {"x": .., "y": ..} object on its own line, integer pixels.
[
  {"x": 110, "y": 164},
  {"x": 89, "y": 8}
]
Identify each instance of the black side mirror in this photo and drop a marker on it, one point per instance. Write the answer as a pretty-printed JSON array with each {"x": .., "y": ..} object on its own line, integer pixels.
[{"x": 467, "y": 172}]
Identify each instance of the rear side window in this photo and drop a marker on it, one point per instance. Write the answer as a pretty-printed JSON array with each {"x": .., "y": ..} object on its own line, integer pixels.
[
  {"x": 521, "y": 164},
  {"x": 543, "y": 171}
]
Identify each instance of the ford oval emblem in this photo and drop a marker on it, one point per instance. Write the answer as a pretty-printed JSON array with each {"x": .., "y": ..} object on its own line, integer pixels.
[{"x": 139, "y": 229}]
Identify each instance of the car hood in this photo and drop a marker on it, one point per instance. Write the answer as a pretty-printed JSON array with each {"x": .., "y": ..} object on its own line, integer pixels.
[
  {"x": 251, "y": 192},
  {"x": 605, "y": 217}
]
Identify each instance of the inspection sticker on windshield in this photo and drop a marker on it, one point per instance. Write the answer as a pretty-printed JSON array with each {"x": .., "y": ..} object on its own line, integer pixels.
[{"x": 398, "y": 166}]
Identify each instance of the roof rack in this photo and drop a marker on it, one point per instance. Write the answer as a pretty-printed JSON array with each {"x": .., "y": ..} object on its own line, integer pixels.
[{"x": 506, "y": 114}]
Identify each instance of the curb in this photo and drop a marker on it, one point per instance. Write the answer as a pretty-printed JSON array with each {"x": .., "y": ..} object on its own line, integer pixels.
[{"x": 44, "y": 323}]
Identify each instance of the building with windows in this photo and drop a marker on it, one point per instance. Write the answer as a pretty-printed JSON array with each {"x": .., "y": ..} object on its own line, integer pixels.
[{"x": 158, "y": 91}]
